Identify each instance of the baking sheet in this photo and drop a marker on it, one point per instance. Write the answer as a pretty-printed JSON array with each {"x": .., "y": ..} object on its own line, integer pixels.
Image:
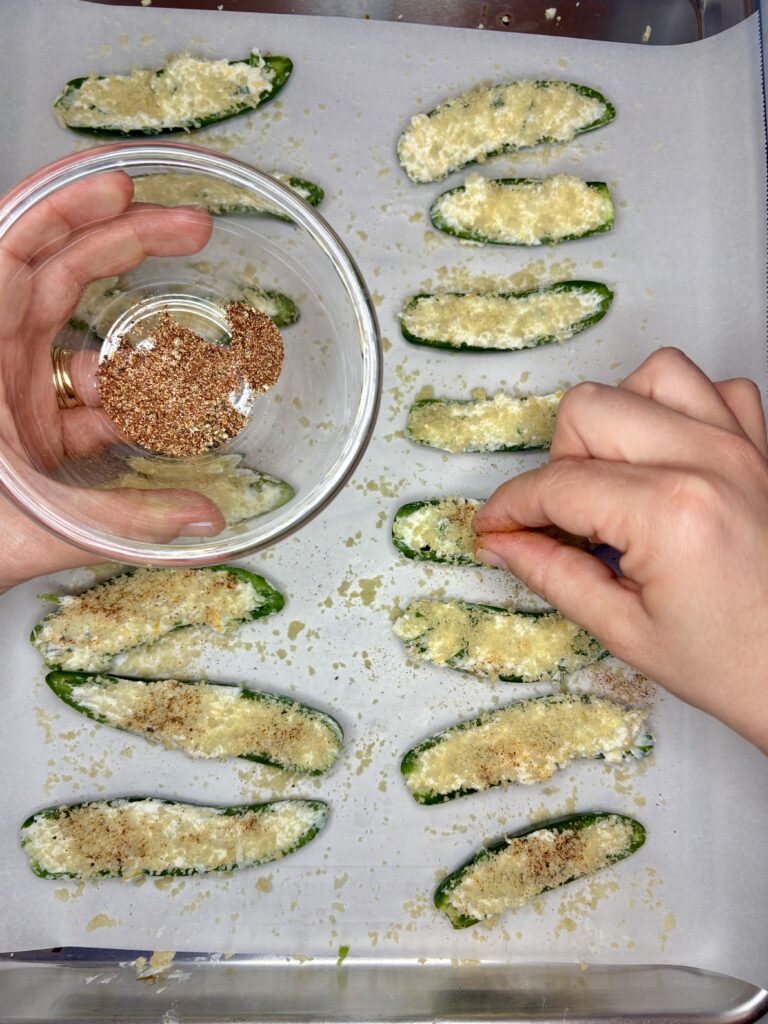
[{"x": 685, "y": 160}]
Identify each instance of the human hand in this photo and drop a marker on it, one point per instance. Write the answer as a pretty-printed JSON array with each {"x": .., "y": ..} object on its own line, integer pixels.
[
  {"x": 671, "y": 469},
  {"x": 88, "y": 230}
]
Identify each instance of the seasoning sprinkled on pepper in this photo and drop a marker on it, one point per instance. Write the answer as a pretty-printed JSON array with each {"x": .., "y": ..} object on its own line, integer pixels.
[{"x": 181, "y": 395}]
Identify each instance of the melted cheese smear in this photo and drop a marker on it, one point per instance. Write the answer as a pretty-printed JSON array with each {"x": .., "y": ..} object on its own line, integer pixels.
[
  {"x": 485, "y": 424},
  {"x": 209, "y": 720},
  {"x": 499, "y": 322},
  {"x": 188, "y": 91},
  {"x": 89, "y": 629},
  {"x": 545, "y": 859},
  {"x": 129, "y": 838},
  {"x": 239, "y": 493},
  {"x": 530, "y": 213},
  {"x": 482, "y": 122},
  {"x": 526, "y": 742},
  {"x": 490, "y": 643}
]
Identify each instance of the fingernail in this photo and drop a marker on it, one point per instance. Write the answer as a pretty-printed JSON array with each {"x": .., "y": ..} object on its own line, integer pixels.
[
  {"x": 490, "y": 558},
  {"x": 202, "y": 528}
]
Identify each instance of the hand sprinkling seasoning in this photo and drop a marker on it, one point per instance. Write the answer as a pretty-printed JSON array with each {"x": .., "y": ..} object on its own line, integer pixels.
[{"x": 178, "y": 394}]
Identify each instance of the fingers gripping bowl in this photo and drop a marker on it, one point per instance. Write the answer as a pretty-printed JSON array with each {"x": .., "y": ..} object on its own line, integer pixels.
[{"x": 86, "y": 271}]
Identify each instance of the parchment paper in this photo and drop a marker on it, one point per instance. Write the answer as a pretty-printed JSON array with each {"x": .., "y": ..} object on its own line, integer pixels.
[{"x": 685, "y": 160}]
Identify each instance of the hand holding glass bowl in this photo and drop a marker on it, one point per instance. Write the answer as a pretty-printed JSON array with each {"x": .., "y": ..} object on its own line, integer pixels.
[{"x": 75, "y": 222}]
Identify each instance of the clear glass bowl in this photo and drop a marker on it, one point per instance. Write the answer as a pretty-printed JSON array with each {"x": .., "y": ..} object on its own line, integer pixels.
[{"x": 310, "y": 430}]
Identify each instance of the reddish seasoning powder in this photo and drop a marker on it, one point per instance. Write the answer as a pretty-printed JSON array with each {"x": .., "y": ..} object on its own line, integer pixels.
[{"x": 175, "y": 398}]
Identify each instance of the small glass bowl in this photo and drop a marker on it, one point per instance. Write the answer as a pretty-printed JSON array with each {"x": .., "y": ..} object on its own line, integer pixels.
[{"x": 309, "y": 431}]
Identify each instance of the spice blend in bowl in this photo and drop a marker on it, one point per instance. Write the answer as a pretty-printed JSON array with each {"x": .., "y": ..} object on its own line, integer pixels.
[{"x": 177, "y": 394}]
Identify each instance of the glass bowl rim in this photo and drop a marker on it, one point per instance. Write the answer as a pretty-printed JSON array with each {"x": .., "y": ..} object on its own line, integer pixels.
[{"x": 177, "y": 156}]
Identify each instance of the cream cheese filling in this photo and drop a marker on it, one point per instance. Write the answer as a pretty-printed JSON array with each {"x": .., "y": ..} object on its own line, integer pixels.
[
  {"x": 480, "y": 122},
  {"x": 499, "y": 322},
  {"x": 549, "y": 209},
  {"x": 488, "y": 643},
  {"x": 151, "y": 837},
  {"x": 210, "y": 720},
  {"x": 485, "y": 424},
  {"x": 542, "y": 860},
  {"x": 188, "y": 90},
  {"x": 89, "y": 629},
  {"x": 526, "y": 742}
]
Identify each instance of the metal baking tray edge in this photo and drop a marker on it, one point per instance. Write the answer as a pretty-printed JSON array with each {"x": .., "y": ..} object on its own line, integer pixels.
[{"x": 78, "y": 985}]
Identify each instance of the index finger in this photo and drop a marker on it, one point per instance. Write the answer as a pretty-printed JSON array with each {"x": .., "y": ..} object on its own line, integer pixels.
[
  {"x": 588, "y": 497},
  {"x": 53, "y": 220}
]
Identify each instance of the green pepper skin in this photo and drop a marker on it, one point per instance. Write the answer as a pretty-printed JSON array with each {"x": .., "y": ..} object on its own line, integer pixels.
[
  {"x": 62, "y": 684},
  {"x": 583, "y": 90},
  {"x": 441, "y": 224},
  {"x": 410, "y": 760},
  {"x": 281, "y": 66},
  {"x": 606, "y": 298},
  {"x": 286, "y": 493},
  {"x": 319, "y": 806},
  {"x": 575, "y": 822},
  {"x": 287, "y": 311},
  {"x": 316, "y": 193},
  {"x": 273, "y": 600}
]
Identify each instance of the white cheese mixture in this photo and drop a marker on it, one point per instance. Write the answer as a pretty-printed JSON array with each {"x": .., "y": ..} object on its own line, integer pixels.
[
  {"x": 526, "y": 742},
  {"x": 150, "y": 837},
  {"x": 174, "y": 189},
  {"x": 89, "y": 629},
  {"x": 531, "y": 213},
  {"x": 499, "y": 322},
  {"x": 240, "y": 493},
  {"x": 542, "y": 860},
  {"x": 485, "y": 424},
  {"x": 490, "y": 643},
  {"x": 210, "y": 720},
  {"x": 484, "y": 121},
  {"x": 188, "y": 91}
]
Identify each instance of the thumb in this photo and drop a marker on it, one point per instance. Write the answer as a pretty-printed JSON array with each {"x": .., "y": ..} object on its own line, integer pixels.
[
  {"x": 151, "y": 515},
  {"x": 571, "y": 580},
  {"x": 29, "y": 550}
]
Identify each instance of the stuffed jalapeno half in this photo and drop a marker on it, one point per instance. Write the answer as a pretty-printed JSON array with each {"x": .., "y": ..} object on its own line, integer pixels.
[
  {"x": 186, "y": 94},
  {"x": 496, "y": 643},
  {"x": 482, "y": 123},
  {"x": 524, "y": 742},
  {"x": 522, "y": 865},
  {"x": 504, "y": 321},
  {"x": 134, "y": 836},
  {"x": 524, "y": 211},
  {"x": 206, "y": 719},
  {"x": 141, "y": 606}
]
